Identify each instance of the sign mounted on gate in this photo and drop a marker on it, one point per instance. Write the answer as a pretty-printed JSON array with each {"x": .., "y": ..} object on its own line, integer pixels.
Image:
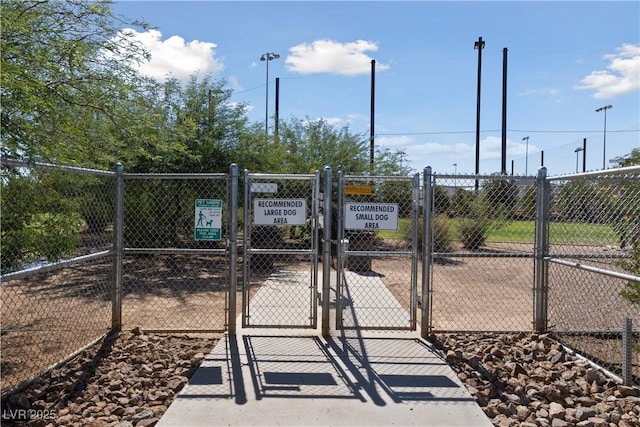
[
  {"x": 371, "y": 216},
  {"x": 208, "y": 219},
  {"x": 358, "y": 189},
  {"x": 279, "y": 211}
]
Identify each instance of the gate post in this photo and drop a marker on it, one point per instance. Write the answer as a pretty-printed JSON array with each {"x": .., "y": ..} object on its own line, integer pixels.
[
  {"x": 233, "y": 249},
  {"x": 339, "y": 250},
  {"x": 541, "y": 285},
  {"x": 118, "y": 247},
  {"x": 427, "y": 251},
  {"x": 326, "y": 251}
]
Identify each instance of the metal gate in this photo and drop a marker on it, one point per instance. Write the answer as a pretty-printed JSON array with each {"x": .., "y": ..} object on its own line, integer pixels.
[
  {"x": 377, "y": 263},
  {"x": 280, "y": 254}
]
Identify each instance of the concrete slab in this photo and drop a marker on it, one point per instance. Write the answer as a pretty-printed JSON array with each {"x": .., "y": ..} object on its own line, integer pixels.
[{"x": 294, "y": 377}]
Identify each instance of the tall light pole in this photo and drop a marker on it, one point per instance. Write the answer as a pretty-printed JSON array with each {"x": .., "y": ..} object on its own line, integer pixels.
[
  {"x": 478, "y": 45},
  {"x": 604, "y": 140},
  {"x": 577, "y": 151},
  {"x": 526, "y": 156},
  {"x": 455, "y": 172},
  {"x": 269, "y": 56}
]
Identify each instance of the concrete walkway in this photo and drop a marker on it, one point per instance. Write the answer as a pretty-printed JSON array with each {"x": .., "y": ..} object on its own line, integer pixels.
[{"x": 294, "y": 377}]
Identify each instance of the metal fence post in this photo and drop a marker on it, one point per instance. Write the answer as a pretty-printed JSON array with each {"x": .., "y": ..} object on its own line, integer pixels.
[
  {"x": 326, "y": 251},
  {"x": 427, "y": 251},
  {"x": 627, "y": 341},
  {"x": 415, "y": 215},
  {"x": 541, "y": 283},
  {"x": 233, "y": 249},
  {"x": 118, "y": 247},
  {"x": 339, "y": 251},
  {"x": 246, "y": 236}
]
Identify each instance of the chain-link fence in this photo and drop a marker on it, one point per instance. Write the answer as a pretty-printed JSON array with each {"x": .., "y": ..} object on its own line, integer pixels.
[
  {"x": 594, "y": 266},
  {"x": 57, "y": 232},
  {"x": 86, "y": 251},
  {"x": 481, "y": 240},
  {"x": 377, "y": 265}
]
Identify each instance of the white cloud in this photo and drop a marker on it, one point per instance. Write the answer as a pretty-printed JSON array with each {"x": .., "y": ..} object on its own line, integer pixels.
[
  {"x": 491, "y": 148},
  {"x": 394, "y": 141},
  {"x": 329, "y": 56},
  {"x": 554, "y": 93},
  {"x": 622, "y": 74},
  {"x": 175, "y": 57}
]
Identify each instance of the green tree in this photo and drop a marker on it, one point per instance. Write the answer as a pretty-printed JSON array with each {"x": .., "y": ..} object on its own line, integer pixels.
[
  {"x": 67, "y": 83},
  {"x": 40, "y": 217},
  {"x": 308, "y": 145}
]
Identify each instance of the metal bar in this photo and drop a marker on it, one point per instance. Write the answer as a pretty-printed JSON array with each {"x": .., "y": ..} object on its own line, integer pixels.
[
  {"x": 326, "y": 252},
  {"x": 590, "y": 256},
  {"x": 174, "y": 251},
  {"x": 378, "y": 253},
  {"x": 56, "y": 265},
  {"x": 39, "y": 165},
  {"x": 607, "y": 172},
  {"x": 427, "y": 252},
  {"x": 118, "y": 247},
  {"x": 378, "y": 328},
  {"x": 595, "y": 269},
  {"x": 175, "y": 176},
  {"x": 541, "y": 250},
  {"x": 246, "y": 259},
  {"x": 339, "y": 250},
  {"x": 297, "y": 177},
  {"x": 487, "y": 177},
  {"x": 609, "y": 333},
  {"x": 627, "y": 341},
  {"x": 314, "y": 247},
  {"x": 233, "y": 249},
  {"x": 591, "y": 363},
  {"x": 281, "y": 251},
  {"x": 367, "y": 178},
  {"x": 482, "y": 255},
  {"x": 415, "y": 213}
]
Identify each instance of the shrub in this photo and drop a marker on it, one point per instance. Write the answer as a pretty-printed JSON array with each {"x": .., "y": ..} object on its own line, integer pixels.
[
  {"x": 442, "y": 238},
  {"x": 473, "y": 232}
]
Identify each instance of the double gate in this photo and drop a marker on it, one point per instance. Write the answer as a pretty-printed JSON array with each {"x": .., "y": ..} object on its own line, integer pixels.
[{"x": 364, "y": 229}]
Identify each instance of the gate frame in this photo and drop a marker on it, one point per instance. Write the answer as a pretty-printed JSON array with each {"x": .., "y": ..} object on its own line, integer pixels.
[
  {"x": 343, "y": 252},
  {"x": 248, "y": 216}
]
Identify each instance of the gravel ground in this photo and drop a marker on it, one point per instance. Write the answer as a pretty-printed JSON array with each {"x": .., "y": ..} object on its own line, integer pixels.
[
  {"x": 519, "y": 380},
  {"x": 128, "y": 380},
  {"x": 530, "y": 380}
]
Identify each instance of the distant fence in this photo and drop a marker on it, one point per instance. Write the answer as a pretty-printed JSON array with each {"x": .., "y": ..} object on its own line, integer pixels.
[{"x": 85, "y": 252}]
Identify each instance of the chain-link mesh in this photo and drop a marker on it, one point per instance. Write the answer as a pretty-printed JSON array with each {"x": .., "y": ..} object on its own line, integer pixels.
[
  {"x": 378, "y": 252},
  {"x": 594, "y": 235},
  {"x": 482, "y": 239},
  {"x": 175, "y": 269},
  {"x": 281, "y": 250},
  {"x": 57, "y": 229}
]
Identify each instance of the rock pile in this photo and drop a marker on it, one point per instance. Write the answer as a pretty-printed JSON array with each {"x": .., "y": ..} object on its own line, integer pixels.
[
  {"x": 129, "y": 381},
  {"x": 530, "y": 380}
]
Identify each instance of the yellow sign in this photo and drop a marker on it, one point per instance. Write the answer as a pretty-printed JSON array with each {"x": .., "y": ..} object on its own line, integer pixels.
[{"x": 357, "y": 189}]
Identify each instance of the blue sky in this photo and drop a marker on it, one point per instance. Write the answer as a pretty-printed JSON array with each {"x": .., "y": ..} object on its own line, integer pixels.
[{"x": 564, "y": 60}]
